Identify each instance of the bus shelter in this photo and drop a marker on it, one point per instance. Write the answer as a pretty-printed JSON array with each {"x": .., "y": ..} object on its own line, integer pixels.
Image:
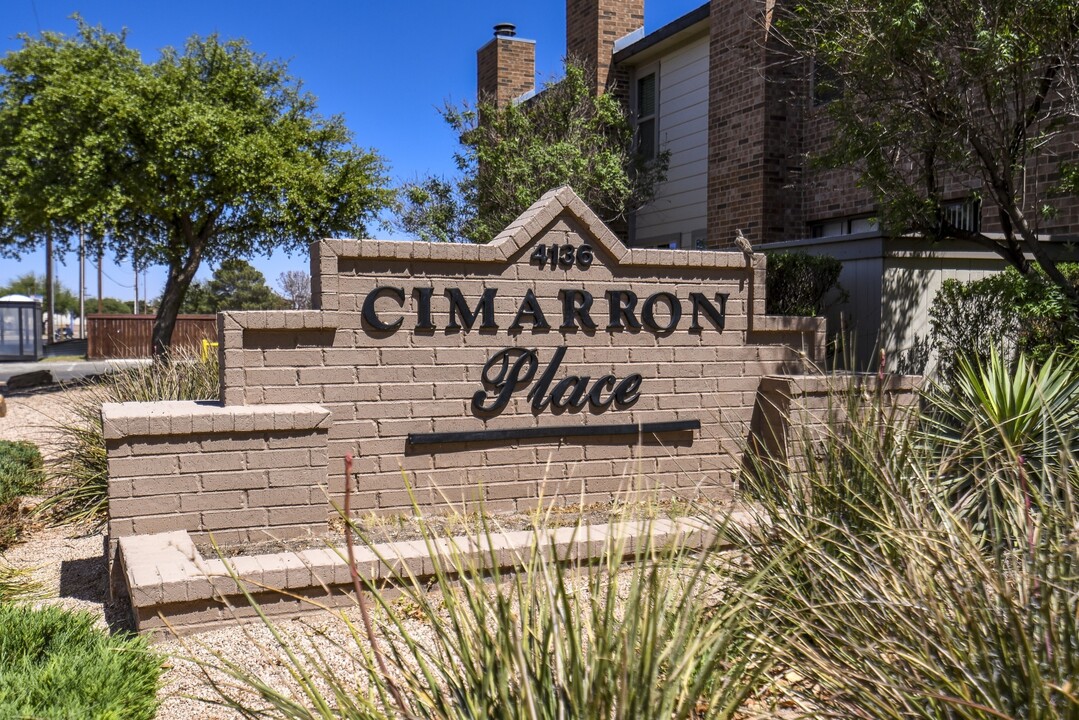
[{"x": 20, "y": 328}]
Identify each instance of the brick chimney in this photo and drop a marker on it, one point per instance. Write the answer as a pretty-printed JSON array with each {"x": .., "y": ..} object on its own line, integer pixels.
[
  {"x": 593, "y": 26},
  {"x": 505, "y": 67}
]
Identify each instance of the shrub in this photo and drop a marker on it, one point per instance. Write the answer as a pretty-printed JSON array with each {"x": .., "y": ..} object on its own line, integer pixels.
[
  {"x": 1008, "y": 312},
  {"x": 891, "y": 604},
  {"x": 57, "y": 664},
  {"x": 797, "y": 283},
  {"x": 83, "y": 469},
  {"x": 21, "y": 473},
  {"x": 21, "y": 470}
]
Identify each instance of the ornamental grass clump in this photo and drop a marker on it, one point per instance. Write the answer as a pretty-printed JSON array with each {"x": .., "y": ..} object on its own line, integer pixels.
[
  {"x": 55, "y": 664},
  {"x": 82, "y": 474},
  {"x": 644, "y": 631},
  {"x": 893, "y": 599}
]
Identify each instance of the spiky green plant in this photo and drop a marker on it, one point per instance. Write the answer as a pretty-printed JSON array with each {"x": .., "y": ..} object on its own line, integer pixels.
[
  {"x": 16, "y": 585},
  {"x": 83, "y": 473},
  {"x": 999, "y": 433},
  {"x": 21, "y": 474}
]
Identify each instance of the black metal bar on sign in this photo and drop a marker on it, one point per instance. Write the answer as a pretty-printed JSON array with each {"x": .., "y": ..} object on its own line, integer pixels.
[{"x": 552, "y": 431}]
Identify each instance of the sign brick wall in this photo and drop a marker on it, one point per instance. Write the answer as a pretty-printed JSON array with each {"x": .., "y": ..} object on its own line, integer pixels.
[
  {"x": 552, "y": 362},
  {"x": 411, "y": 365}
]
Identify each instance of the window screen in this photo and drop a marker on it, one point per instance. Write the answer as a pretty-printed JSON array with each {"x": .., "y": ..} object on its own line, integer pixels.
[{"x": 646, "y": 116}]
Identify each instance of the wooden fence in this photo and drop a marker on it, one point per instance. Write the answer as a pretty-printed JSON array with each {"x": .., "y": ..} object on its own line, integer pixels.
[{"x": 128, "y": 336}]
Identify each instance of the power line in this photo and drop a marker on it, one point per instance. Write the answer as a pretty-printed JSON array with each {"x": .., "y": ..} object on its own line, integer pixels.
[
  {"x": 37, "y": 20},
  {"x": 117, "y": 282}
]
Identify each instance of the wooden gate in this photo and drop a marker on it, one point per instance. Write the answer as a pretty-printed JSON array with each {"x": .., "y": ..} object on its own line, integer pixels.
[{"x": 128, "y": 336}]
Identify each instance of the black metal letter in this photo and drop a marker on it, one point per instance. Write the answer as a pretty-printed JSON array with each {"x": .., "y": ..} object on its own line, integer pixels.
[
  {"x": 604, "y": 383},
  {"x": 423, "y": 308},
  {"x": 507, "y": 379},
  {"x": 620, "y": 309},
  {"x": 530, "y": 306},
  {"x": 700, "y": 302},
  {"x": 575, "y": 306},
  {"x": 458, "y": 306},
  {"x": 648, "y": 311},
  {"x": 369, "y": 314},
  {"x": 628, "y": 391},
  {"x": 539, "y": 403}
]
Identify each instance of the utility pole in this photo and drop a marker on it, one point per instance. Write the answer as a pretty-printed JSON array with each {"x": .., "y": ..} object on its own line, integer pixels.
[
  {"x": 50, "y": 304},
  {"x": 82, "y": 286},
  {"x": 136, "y": 268},
  {"x": 100, "y": 296}
]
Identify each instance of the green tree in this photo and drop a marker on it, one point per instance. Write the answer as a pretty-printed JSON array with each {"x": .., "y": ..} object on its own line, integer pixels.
[
  {"x": 933, "y": 98},
  {"x": 198, "y": 300},
  {"x": 237, "y": 285},
  {"x": 30, "y": 284},
  {"x": 510, "y": 156},
  {"x": 111, "y": 306},
  {"x": 206, "y": 154}
]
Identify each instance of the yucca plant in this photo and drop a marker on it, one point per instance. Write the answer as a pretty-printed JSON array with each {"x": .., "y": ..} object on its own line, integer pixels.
[
  {"x": 82, "y": 473},
  {"x": 999, "y": 432},
  {"x": 647, "y": 631},
  {"x": 918, "y": 621}
]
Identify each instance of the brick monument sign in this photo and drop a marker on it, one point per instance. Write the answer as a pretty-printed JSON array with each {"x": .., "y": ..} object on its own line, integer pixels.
[{"x": 552, "y": 361}]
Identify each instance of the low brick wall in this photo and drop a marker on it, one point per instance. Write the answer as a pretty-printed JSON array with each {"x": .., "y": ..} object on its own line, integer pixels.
[
  {"x": 792, "y": 408},
  {"x": 238, "y": 474}
]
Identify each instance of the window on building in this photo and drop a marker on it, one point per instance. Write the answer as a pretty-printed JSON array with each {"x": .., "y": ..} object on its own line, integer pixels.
[
  {"x": 843, "y": 226},
  {"x": 646, "y": 116},
  {"x": 965, "y": 214}
]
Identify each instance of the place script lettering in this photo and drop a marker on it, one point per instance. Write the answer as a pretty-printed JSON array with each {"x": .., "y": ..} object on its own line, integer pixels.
[{"x": 513, "y": 369}]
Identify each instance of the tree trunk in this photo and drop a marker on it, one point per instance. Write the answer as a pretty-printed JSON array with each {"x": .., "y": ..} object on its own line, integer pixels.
[
  {"x": 181, "y": 273},
  {"x": 1041, "y": 255}
]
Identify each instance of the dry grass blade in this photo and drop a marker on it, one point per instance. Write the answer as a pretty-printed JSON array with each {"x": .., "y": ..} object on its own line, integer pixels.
[{"x": 83, "y": 473}]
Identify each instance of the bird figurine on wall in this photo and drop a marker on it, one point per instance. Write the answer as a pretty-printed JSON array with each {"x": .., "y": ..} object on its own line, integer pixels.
[{"x": 743, "y": 243}]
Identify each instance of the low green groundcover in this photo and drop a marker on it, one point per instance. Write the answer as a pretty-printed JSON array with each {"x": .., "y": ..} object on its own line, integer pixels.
[
  {"x": 56, "y": 664},
  {"x": 20, "y": 469}
]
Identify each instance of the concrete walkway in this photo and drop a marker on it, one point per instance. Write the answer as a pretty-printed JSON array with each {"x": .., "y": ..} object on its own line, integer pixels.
[{"x": 65, "y": 371}]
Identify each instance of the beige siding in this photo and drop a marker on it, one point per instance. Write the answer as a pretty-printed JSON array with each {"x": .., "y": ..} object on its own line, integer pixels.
[
  {"x": 680, "y": 207},
  {"x": 909, "y": 286}
]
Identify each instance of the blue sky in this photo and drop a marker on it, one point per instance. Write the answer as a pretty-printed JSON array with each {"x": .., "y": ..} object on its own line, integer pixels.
[{"x": 385, "y": 66}]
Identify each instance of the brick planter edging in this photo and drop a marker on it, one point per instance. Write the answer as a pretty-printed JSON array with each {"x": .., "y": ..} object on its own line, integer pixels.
[{"x": 174, "y": 589}]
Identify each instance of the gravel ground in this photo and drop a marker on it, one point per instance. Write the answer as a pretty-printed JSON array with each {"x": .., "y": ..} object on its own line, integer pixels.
[{"x": 33, "y": 415}]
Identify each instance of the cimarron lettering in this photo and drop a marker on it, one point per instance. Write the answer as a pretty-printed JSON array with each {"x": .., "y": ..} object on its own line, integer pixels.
[
  {"x": 384, "y": 310},
  {"x": 510, "y": 370}
]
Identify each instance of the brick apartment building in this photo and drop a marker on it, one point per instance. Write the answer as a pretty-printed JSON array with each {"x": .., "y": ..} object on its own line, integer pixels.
[{"x": 739, "y": 162}]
